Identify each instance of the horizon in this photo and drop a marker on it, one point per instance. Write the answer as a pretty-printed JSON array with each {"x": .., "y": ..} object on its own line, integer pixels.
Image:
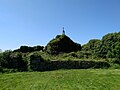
[
  {"x": 31, "y": 23},
  {"x": 51, "y": 39}
]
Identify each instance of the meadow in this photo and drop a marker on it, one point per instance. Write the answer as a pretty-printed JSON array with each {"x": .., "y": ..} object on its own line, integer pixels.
[{"x": 74, "y": 79}]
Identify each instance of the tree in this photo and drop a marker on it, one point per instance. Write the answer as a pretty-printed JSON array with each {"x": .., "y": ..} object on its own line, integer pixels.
[
  {"x": 24, "y": 49},
  {"x": 92, "y": 47},
  {"x": 110, "y": 45},
  {"x": 38, "y": 48},
  {"x": 18, "y": 62},
  {"x": 6, "y": 60}
]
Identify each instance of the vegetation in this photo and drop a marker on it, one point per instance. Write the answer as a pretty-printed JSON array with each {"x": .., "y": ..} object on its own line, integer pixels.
[
  {"x": 25, "y": 49},
  {"x": 90, "y": 79},
  {"x": 62, "y": 44},
  {"x": 62, "y": 52},
  {"x": 39, "y": 64},
  {"x": 13, "y": 61}
]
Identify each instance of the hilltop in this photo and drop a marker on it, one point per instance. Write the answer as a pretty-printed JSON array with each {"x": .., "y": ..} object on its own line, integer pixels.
[{"x": 62, "y": 44}]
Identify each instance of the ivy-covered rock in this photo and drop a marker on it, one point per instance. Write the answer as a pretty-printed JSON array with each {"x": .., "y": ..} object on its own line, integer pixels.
[{"x": 62, "y": 44}]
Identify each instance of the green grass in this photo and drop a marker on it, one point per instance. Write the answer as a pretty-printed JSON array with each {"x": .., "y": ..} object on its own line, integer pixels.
[{"x": 90, "y": 79}]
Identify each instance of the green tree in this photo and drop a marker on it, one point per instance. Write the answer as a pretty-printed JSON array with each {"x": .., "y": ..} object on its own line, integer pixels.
[
  {"x": 110, "y": 46},
  {"x": 91, "y": 48}
]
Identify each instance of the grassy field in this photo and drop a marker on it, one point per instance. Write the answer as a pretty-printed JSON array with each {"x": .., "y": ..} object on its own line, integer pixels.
[{"x": 90, "y": 79}]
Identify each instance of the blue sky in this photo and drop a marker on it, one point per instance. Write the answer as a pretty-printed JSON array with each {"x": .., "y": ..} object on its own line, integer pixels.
[{"x": 36, "y": 22}]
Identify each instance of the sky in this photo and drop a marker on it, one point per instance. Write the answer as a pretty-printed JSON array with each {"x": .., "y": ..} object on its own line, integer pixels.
[{"x": 36, "y": 22}]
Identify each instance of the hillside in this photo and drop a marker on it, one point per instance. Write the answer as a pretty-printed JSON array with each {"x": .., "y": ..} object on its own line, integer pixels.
[{"x": 62, "y": 44}]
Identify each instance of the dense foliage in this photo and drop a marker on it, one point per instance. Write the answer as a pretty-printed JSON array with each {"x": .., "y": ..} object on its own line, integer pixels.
[
  {"x": 108, "y": 47},
  {"x": 62, "y": 44},
  {"x": 11, "y": 60},
  {"x": 25, "y": 49},
  {"x": 91, "y": 48},
  {"x": 62, "y": 52}
]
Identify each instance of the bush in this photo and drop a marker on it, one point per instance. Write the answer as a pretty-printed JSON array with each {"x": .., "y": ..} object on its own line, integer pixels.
[
  {"x": 6, "y": 70},
  {"x": 62, "y": 44},
  {"x": 26, "y": 49},
  {"x": 18, "y": 62},
  {"x": 36, "y": 62},
  {"x": 116, "y": 60},
  {"x": 13, "y": 61},
  {"x": 41, "y": 65},
  {"x": 1, "y": 69},
  {"x": 115, "y": 66}
]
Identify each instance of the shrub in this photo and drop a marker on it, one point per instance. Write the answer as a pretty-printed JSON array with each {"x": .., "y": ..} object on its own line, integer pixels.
[
  {"x": 36, "y": 62},
  {"x": 62, "y": 44},
  {"x": 116, "y": 60},
  {"x": 38, "y": 65}
]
